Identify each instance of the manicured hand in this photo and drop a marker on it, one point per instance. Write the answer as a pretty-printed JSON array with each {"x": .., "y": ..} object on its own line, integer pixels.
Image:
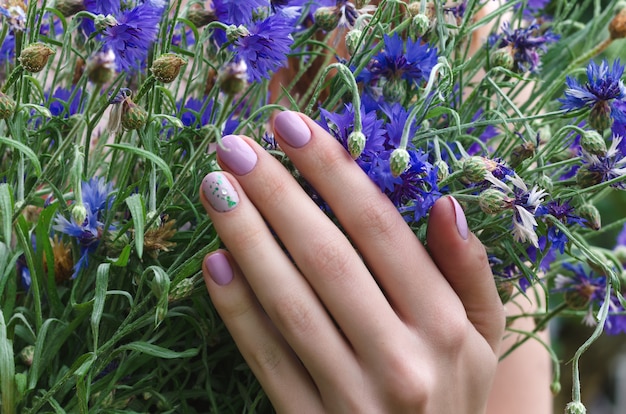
[{"x": 365, "y": 320}]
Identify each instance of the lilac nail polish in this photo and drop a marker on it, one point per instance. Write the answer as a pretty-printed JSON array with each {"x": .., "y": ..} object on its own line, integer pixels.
[
  {"x": 219, "y": 192},
  {"x": 219, "y": 268},
  {"x": 237, "y": 154},
  {"x": 292, "y": 129},
  {"x": 461, "y": 222}
]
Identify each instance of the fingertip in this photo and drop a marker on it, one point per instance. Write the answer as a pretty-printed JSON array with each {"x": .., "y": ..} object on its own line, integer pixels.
[{"x": 217, "y": 269}]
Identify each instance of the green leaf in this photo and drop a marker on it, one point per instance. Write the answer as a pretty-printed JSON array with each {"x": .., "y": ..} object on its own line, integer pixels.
[
  {"x": 161, "y": 288},
  {"x": 148, "y": 155},
  {"x": 7, "y": 370},
  {"x": 122, "y": 259},
  {"x": 137, "y": 209},
  {"x": 6, "y": 211},
  {"x": 25, "y": 150},
  {"x": 102, "y": 282},
  {"x": 158, "y": 351}
]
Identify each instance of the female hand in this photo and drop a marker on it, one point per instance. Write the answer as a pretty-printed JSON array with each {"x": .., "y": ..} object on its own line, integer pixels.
[{"x": 368, "y": 322}]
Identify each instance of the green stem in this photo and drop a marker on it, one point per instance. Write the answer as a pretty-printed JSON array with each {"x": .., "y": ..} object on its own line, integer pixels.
[{"x": 145, "y": 87}]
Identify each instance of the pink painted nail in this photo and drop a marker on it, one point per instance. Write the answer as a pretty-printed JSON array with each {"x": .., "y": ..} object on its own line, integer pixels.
[
  {"x": 461, "y": 221},
  {"x": 292, "y": 129},
  {"x": 219, "y": 192},
  {"x": 237, "y": 154},
  {"x": 219, "y": 268}
]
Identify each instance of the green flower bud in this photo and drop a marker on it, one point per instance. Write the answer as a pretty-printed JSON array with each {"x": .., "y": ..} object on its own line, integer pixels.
[
  {"x": 399, "y": 161},
  {"x": 493, "y": 201},
  {"x": 474, "y": 169},
  {"x": 443, "y": 171},
  {"x": 199, "y": 16},
  {"x": 327, "y": 18},
  {"x": 414, "y": 8},
  {"x": 586, "y": 178},
  {"x": 102, "y": 22},
  {"x": 69, "y": 7},
  {"x": 503, "y": 57},
  {"x": 133, "y": 115},
  {"x": 7, "y": 106},
  {"x": 35, "y": 56},
  {"x": 181, "y": 290},
  {"x": 590, "y": 213},
  {"x": 234, "y": 33},
  {"x": 394, "y": 90},
  {"x": 27, "y": 354},
  {"x": 578, "y": 299},
  {"x": 522, "y": 152},
  {"x": 233, "y": 77},
  {"x": 575, "y": 408},
  {"x": 420, "y": 24},
  {"x": 555, "y": 388},
  {"x": 167, "y": 67},
  {"x": 356, "y": 143},
  {"x": 101, "y": 67},
  {"x": 352, "y": 40},
  {"x": 593, "y": 143},
  {"x": 79, "y": 213},
  {"x": 600, "y": 116}
]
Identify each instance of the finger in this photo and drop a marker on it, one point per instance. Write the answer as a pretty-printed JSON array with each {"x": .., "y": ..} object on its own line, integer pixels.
[
  {"x": 321, "y": 251},
  {"x": 282, "y": 292},
  {"x": 469, "y": 272},
  {"x": 400, "y": 263},
  {"x": 268, "y": 355}
]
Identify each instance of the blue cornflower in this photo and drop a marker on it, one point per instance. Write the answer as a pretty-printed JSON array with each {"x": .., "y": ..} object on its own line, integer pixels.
[
  {"x": 60, "y": 104},
  {"x": 15, "y": 13},
  {"x": 586, "y": 289},
  {"x": 133, "y": 34},
  {"x": 532, "y": 7},
  {"x": 237, "y": 12},
  {"x": 549, "y": 253},
  {"x": 412, "y": 62},
  {"x": 264, "y": 49},
  {"x": 525, "y": 44},
  {"x": 565, "y": 213},
  {"x": 601, "y": 93},
  {"x": 97, "y": 198},
  {"x": 7, "y": 49},
  {"x": 597, "y": 169},
  {"x": 197, "y": 113}
]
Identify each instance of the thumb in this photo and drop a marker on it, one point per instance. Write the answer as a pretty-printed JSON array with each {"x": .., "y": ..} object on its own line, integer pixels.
[{"x": 462, "y": 259}]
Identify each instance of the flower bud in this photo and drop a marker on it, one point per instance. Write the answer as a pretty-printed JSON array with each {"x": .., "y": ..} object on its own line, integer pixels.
[
  {"x": 414, "y": 8},
  {"x": 102, "y": 22},
  {"x": 101, "y": 67},
  {"x": 399, "y": 161},
  {"x": 7, "y": 106},
  {"x": 69, "y": 7},
  {"x": 27, "y": 354},
  {"x": 133, "y": 115},
  {"x": 167, "y": 67},
  {"x": 79, "y": 213},
  {"x": 503, "y": 57},
  {"x": 493, "y": 201},
  {"x": 181, "y": 290},
  {"x": 474, "y": 169},
  {"x": 600, "y": 116},
  {"x": 593, "y": 143},
  {"x": 420, "y": 24},
  {"x": 233, "y": 77},
  {"x": 590, "y": 213},
  {"x": 443, "y": 170},
  {"x": 586, "y": 178},
  {"x": 234, "y": 33},
  {"x": 394, "y": 90},
  {"x": 522, "y": 152},
  {"x": 578, "y": 299},
  {"x": 617, "y": 27},
  {"x": 352, "y": 40},
  {"x": 356, "y": 143},
  {"x": 505, "y": 290},
  {"x": 199, "y": 16},
  {"x": 326, "y": 18},
  {"x": 35, "y": 56},
  {"x": 555, "y": 387},
  {"x": 575, "y": 408}
]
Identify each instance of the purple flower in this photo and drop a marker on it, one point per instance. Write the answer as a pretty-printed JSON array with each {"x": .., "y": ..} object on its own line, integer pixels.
[
  {"x": 621, "y": 237},
  {"x": 526, "y": 42},
  {"x": 133, "y": 35},
  {"x": 65, "y": 102},
  {"x": 197, "y": 113},
  {"x": 265, "y": 48},
  {"x": 565, "y": 213},
  {"x": 237, "y": 12},
  {"x": 412, "y": 62},
  {"x": 602, "y": 168}
]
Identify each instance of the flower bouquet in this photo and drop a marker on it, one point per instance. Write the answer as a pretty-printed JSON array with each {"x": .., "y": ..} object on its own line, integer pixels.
[{"x": 111, "y": 112}]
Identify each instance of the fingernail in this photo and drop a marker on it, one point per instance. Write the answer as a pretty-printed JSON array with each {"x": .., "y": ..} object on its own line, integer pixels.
[
  {"x": 219, "y": 192},
  {"x": 292, "y": 129},
  {"x": 461, "y": 221},
  {"x": 237, "y": 154},
  {"x": 219, "y": 268}
]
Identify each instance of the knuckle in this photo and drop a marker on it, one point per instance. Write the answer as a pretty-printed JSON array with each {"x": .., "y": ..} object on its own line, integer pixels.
[
  {"x": 327, "y": 255},
  {"x": 407, "y": 385},
  {"x": 376, "y": 219},
  {"x": 270, "y": 192},
  {"x": 454, "y": 334},
  {"x": 291, "y": 314},
  {"x": 267, "y": 357}
]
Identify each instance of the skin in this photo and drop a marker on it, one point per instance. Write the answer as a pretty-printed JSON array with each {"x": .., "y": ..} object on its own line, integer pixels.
[{"x": 375, "y": 323}]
